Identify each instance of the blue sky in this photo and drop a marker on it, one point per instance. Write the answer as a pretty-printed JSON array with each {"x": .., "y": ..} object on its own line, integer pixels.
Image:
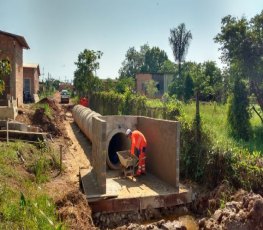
[{"x": 58, "y": 30}]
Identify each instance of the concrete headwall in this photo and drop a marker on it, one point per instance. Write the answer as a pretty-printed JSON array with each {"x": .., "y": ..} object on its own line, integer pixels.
[
  {"x": 117, "y": 124},
  {"x": 163, "y": 140},
  {"x": 99, "y": 152},
  {"x": 116, "y": 139}
]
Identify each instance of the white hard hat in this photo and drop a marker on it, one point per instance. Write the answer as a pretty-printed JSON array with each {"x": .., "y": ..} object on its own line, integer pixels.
[{"x": 128, "y": 132}]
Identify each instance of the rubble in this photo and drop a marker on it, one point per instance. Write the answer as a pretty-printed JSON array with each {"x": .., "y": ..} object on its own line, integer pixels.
[
  {"x": 136, "y": 220},
  {"x": 237, "y": 215}
]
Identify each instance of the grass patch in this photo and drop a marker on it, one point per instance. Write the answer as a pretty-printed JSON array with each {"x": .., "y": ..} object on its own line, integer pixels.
[
  {"x": 22, "y": 204},
  {"x": 214, "y": 122}
]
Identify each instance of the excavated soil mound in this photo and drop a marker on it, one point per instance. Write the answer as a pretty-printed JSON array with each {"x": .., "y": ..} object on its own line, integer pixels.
[
  {"x": 51, "y": 102},
  {"x": 245, "y": 214},
  {"x": 75, "y": 211},
  {"x": 45, "y": 123},
  {"x": 51, "y": 122}
]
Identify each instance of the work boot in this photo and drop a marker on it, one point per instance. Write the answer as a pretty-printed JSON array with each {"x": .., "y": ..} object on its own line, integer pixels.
[
  {"x": 138, "y": 173},
  {"x": 143, "y": 169}
]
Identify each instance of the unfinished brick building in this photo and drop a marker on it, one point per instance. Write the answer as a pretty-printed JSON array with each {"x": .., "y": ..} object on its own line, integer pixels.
[{"x": 11, "y": 49}]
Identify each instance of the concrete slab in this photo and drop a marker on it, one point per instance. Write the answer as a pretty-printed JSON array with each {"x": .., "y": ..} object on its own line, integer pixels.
[
  {"x": 135, "y": 193},
  {"x": 21, "y": 135}
]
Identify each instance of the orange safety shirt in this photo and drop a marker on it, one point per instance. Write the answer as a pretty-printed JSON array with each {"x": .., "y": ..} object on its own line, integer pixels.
[{"x": 137, "y": 141}]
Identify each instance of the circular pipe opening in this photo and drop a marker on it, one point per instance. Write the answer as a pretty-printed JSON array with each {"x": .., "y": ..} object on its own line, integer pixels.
[{"x": 118, "y": 142}]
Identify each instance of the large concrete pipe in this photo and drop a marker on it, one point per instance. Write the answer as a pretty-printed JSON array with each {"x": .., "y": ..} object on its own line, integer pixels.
[
  {"x": 83, "y": 117},
  {"x": 116, "y": 139}
]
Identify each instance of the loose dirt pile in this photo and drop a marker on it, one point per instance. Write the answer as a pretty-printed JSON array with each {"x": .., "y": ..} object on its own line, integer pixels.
[
  {"x": 245, "y": 214},
  {"x": 51, "y": 122},
  {"x": 74, "y": 210},
  {"x": 206, "y": 202},
  {"x": 46, "y": 114}
]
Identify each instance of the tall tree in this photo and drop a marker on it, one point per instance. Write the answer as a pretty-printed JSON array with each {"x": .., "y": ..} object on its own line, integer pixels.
[
  {"x": 188, "y": 88},
  {"x": 238, "y": 111},
  {"x": 180, "y": 40},
  {"x": 242, "y": 45},
  {"x": 85, "y": 80}
]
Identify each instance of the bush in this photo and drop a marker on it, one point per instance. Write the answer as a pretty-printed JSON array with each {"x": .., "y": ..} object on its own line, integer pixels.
[{"x": 238, "y": 114}]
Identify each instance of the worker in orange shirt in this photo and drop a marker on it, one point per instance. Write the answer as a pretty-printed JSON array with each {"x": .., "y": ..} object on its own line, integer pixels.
[{"x": 138, "y": 148}]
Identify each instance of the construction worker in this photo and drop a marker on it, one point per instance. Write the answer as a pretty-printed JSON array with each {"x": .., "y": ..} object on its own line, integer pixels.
[{"x": 138, "y": 148}]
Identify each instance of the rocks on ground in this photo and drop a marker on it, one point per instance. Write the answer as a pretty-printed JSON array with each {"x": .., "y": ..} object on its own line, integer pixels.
[
  {"x": 138, "y": 220},
  {"x": 245, "y": 214},
  {"x": 162, "y": 224}
]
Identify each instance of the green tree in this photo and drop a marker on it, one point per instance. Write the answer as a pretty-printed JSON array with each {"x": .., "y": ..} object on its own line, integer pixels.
[
  {"x": 242, "y": 45},
  {"x": 238, "y": 111},
  {"x": 134, "y": 60},
  {"x": 180, "y": 40},
  {"x": 212, "y": 82},
  {"x": 125, "y": 83},
  {"x": 85, "y": 81},
  {"x": 153, "y": 60},
  {"x": 179, "y": 83},
  {"x": 188, "y": 88},
  {"x": 168, "y": 67},
  {"x": 5, "y": 70}
]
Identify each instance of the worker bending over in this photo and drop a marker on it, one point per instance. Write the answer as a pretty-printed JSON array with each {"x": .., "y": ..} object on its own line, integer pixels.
[{"x": 138, "y": 148}]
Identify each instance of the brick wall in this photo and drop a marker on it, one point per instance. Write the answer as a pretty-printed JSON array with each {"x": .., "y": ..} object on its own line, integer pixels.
[
  {"x": 36, "y": 82},
  {"x": 141, "y": 79},
  {"x": 32, "y": 74},
  {"x": 10, "y": 49}
]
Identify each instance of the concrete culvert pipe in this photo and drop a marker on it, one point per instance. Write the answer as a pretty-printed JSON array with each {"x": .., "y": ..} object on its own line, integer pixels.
[
  {"x": 83, "y": 117},
  {"x": 117, "y": 141}
]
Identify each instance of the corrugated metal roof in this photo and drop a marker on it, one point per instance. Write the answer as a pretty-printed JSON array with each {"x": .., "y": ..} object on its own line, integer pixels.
[{"x": 21, "y": 40}]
